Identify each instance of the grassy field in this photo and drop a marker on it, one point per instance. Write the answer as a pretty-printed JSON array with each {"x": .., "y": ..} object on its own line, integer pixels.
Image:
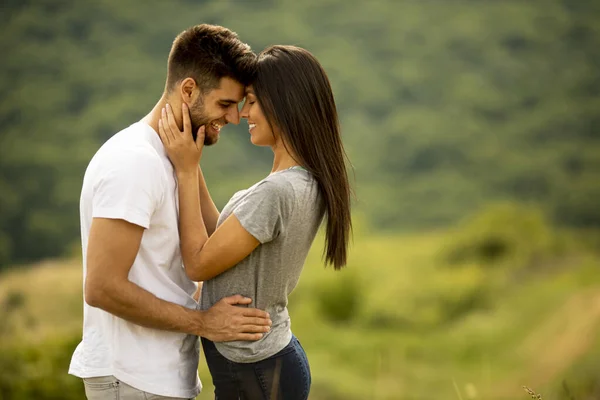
[{"x": 406, "y": 320}]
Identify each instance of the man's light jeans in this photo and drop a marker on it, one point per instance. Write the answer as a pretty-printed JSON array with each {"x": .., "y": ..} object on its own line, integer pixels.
[{"x": 110, "y": 388}]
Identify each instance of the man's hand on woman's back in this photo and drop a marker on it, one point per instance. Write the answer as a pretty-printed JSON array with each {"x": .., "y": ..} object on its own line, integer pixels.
[{"x": 225, "y": 322}]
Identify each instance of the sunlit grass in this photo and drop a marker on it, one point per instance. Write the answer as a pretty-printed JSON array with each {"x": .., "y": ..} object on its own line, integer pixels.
[
  {"x": 47, "y": 299},
  {"x": 411, "y": 334}
]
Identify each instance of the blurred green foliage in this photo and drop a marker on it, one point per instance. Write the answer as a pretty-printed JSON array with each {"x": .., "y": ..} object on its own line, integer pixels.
[
  {"x": 445, "y": 105},
  {"x": 339, "y": 298},
  {"x": 504, "y": 232},
  {"x": 37, "y": 370}
]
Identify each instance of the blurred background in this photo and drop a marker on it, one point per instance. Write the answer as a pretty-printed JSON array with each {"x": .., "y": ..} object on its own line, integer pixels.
[{"x": 474, "y": 132}]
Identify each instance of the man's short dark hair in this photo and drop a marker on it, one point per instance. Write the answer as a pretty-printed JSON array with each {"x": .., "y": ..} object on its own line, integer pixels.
[{"x": 208, "y": 53}]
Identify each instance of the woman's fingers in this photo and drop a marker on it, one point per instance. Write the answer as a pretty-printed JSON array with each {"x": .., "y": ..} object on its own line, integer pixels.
[
  {"x": 168, "y": 131},
  {"x": 187, "y": 123},
  {"x": 181, "y": 148},
  {"x": 200, "y": 137},
  {"x": 162, "y": 133},
  {"x": 171, "y": 121}
]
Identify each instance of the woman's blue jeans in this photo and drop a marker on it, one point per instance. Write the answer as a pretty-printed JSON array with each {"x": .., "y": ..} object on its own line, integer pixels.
[{"x": 283, "y": 376}]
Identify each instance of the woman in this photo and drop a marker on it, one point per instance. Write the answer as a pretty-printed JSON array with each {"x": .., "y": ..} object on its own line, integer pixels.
[{"x": 264, "y": 233}]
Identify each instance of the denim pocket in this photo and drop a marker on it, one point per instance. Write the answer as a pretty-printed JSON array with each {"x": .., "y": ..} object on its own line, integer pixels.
[
  {"x": 285, "y": 375},
  {"x": 150, "y": 396},
  {"x": 101, "y": 388},
  {"x": 100, "y": 383}
]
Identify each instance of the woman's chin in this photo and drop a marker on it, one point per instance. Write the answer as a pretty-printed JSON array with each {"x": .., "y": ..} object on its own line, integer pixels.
[
  {"x": 258, "y": 142},
  {"x": 255, "y": 142}
]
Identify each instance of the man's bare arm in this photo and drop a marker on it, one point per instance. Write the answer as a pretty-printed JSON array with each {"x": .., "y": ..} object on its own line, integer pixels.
[
  {"x": 210, "y": 213},
  {"x": 112, "y": 248}
]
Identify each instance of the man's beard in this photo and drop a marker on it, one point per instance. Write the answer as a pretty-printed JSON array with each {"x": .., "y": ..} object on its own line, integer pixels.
[{"x": 198, "y": 119}]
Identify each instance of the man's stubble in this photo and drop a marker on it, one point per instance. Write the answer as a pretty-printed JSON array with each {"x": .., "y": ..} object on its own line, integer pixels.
[{"x": 198, "y": 118}]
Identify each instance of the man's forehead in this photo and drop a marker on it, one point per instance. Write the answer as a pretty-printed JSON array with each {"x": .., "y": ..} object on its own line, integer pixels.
[{"x": 229, "y": 90}]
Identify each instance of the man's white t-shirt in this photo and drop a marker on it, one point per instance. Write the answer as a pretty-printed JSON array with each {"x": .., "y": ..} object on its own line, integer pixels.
[{"x": 131, "y": 178}]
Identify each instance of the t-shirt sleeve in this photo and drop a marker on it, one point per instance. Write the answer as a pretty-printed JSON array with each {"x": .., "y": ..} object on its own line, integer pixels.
[
  {"x": 130, "y": 187},
  {"x": 264, "y": 210}
]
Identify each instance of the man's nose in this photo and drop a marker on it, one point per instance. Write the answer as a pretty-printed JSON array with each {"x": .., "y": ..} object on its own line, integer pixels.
[
  {"x": 233, "y": 116},
  {"x": 244, "y": 112}
]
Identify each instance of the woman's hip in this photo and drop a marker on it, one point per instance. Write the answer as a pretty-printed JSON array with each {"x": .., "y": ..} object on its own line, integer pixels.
[{"x": 285, "y": 375}]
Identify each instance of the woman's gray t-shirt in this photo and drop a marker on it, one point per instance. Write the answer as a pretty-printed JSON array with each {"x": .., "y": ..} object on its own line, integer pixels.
[{"x": 283, "y": 212}]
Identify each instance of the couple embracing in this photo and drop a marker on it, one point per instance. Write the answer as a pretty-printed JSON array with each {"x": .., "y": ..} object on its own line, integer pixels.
[{"x": 163, "y": 267}]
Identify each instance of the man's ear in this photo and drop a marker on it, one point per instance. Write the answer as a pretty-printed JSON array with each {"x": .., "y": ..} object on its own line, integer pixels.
[{"x": 187, "y": 88}]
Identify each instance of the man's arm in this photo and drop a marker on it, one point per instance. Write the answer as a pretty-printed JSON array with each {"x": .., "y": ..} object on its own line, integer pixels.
[
  {"x": 210, "y": 213},
  {"x": 112, "y": 248}
]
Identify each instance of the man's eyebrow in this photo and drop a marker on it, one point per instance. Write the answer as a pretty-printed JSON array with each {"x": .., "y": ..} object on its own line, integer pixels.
[{"x": 228, "y": 101}]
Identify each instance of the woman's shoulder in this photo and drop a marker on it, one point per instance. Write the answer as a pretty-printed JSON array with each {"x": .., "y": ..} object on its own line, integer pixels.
[
  {"x": 272, "y": 186},
  {"x": 287, "y": 182},
  {"x": 290, "y": 177}
]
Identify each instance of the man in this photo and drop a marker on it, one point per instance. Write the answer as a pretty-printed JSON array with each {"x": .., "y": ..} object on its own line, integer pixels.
[{"x": 141, "y": 326}]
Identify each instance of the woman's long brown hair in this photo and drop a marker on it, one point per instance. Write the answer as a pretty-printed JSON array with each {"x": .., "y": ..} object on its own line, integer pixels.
[{"x": 295, "y": 95}]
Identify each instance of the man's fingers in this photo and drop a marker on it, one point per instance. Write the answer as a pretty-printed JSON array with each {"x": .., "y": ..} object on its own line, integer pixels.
[
  {"x": 237, "y": 299},
  {"x": 260, "y": 322},
  {"x": 255, "y": 328},
  {"x": 256, "y": 313},
  {"x": 247, "y": 336}
]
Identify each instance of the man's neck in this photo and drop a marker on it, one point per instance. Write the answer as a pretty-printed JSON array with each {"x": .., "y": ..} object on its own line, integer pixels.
[{"x": 156, "y": 113}]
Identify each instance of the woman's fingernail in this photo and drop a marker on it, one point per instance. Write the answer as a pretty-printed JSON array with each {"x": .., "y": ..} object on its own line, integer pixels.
[{"x": 168, "y": 106}]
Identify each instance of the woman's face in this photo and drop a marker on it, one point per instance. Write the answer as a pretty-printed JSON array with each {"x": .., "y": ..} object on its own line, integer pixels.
[{"x": 261, "y": 133}]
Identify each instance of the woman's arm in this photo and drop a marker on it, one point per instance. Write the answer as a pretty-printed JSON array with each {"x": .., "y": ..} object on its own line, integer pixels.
[
  {"x": 258, "y": 217},
  {"x": 192, "y": 231},
  {"x": 226, "y": 247},
  {"x": 203, "y": 257},
  {"x": 210, "y": 213}
]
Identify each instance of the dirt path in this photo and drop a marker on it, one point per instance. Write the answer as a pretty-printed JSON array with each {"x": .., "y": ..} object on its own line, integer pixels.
[{"x": 554, "y": 345}]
